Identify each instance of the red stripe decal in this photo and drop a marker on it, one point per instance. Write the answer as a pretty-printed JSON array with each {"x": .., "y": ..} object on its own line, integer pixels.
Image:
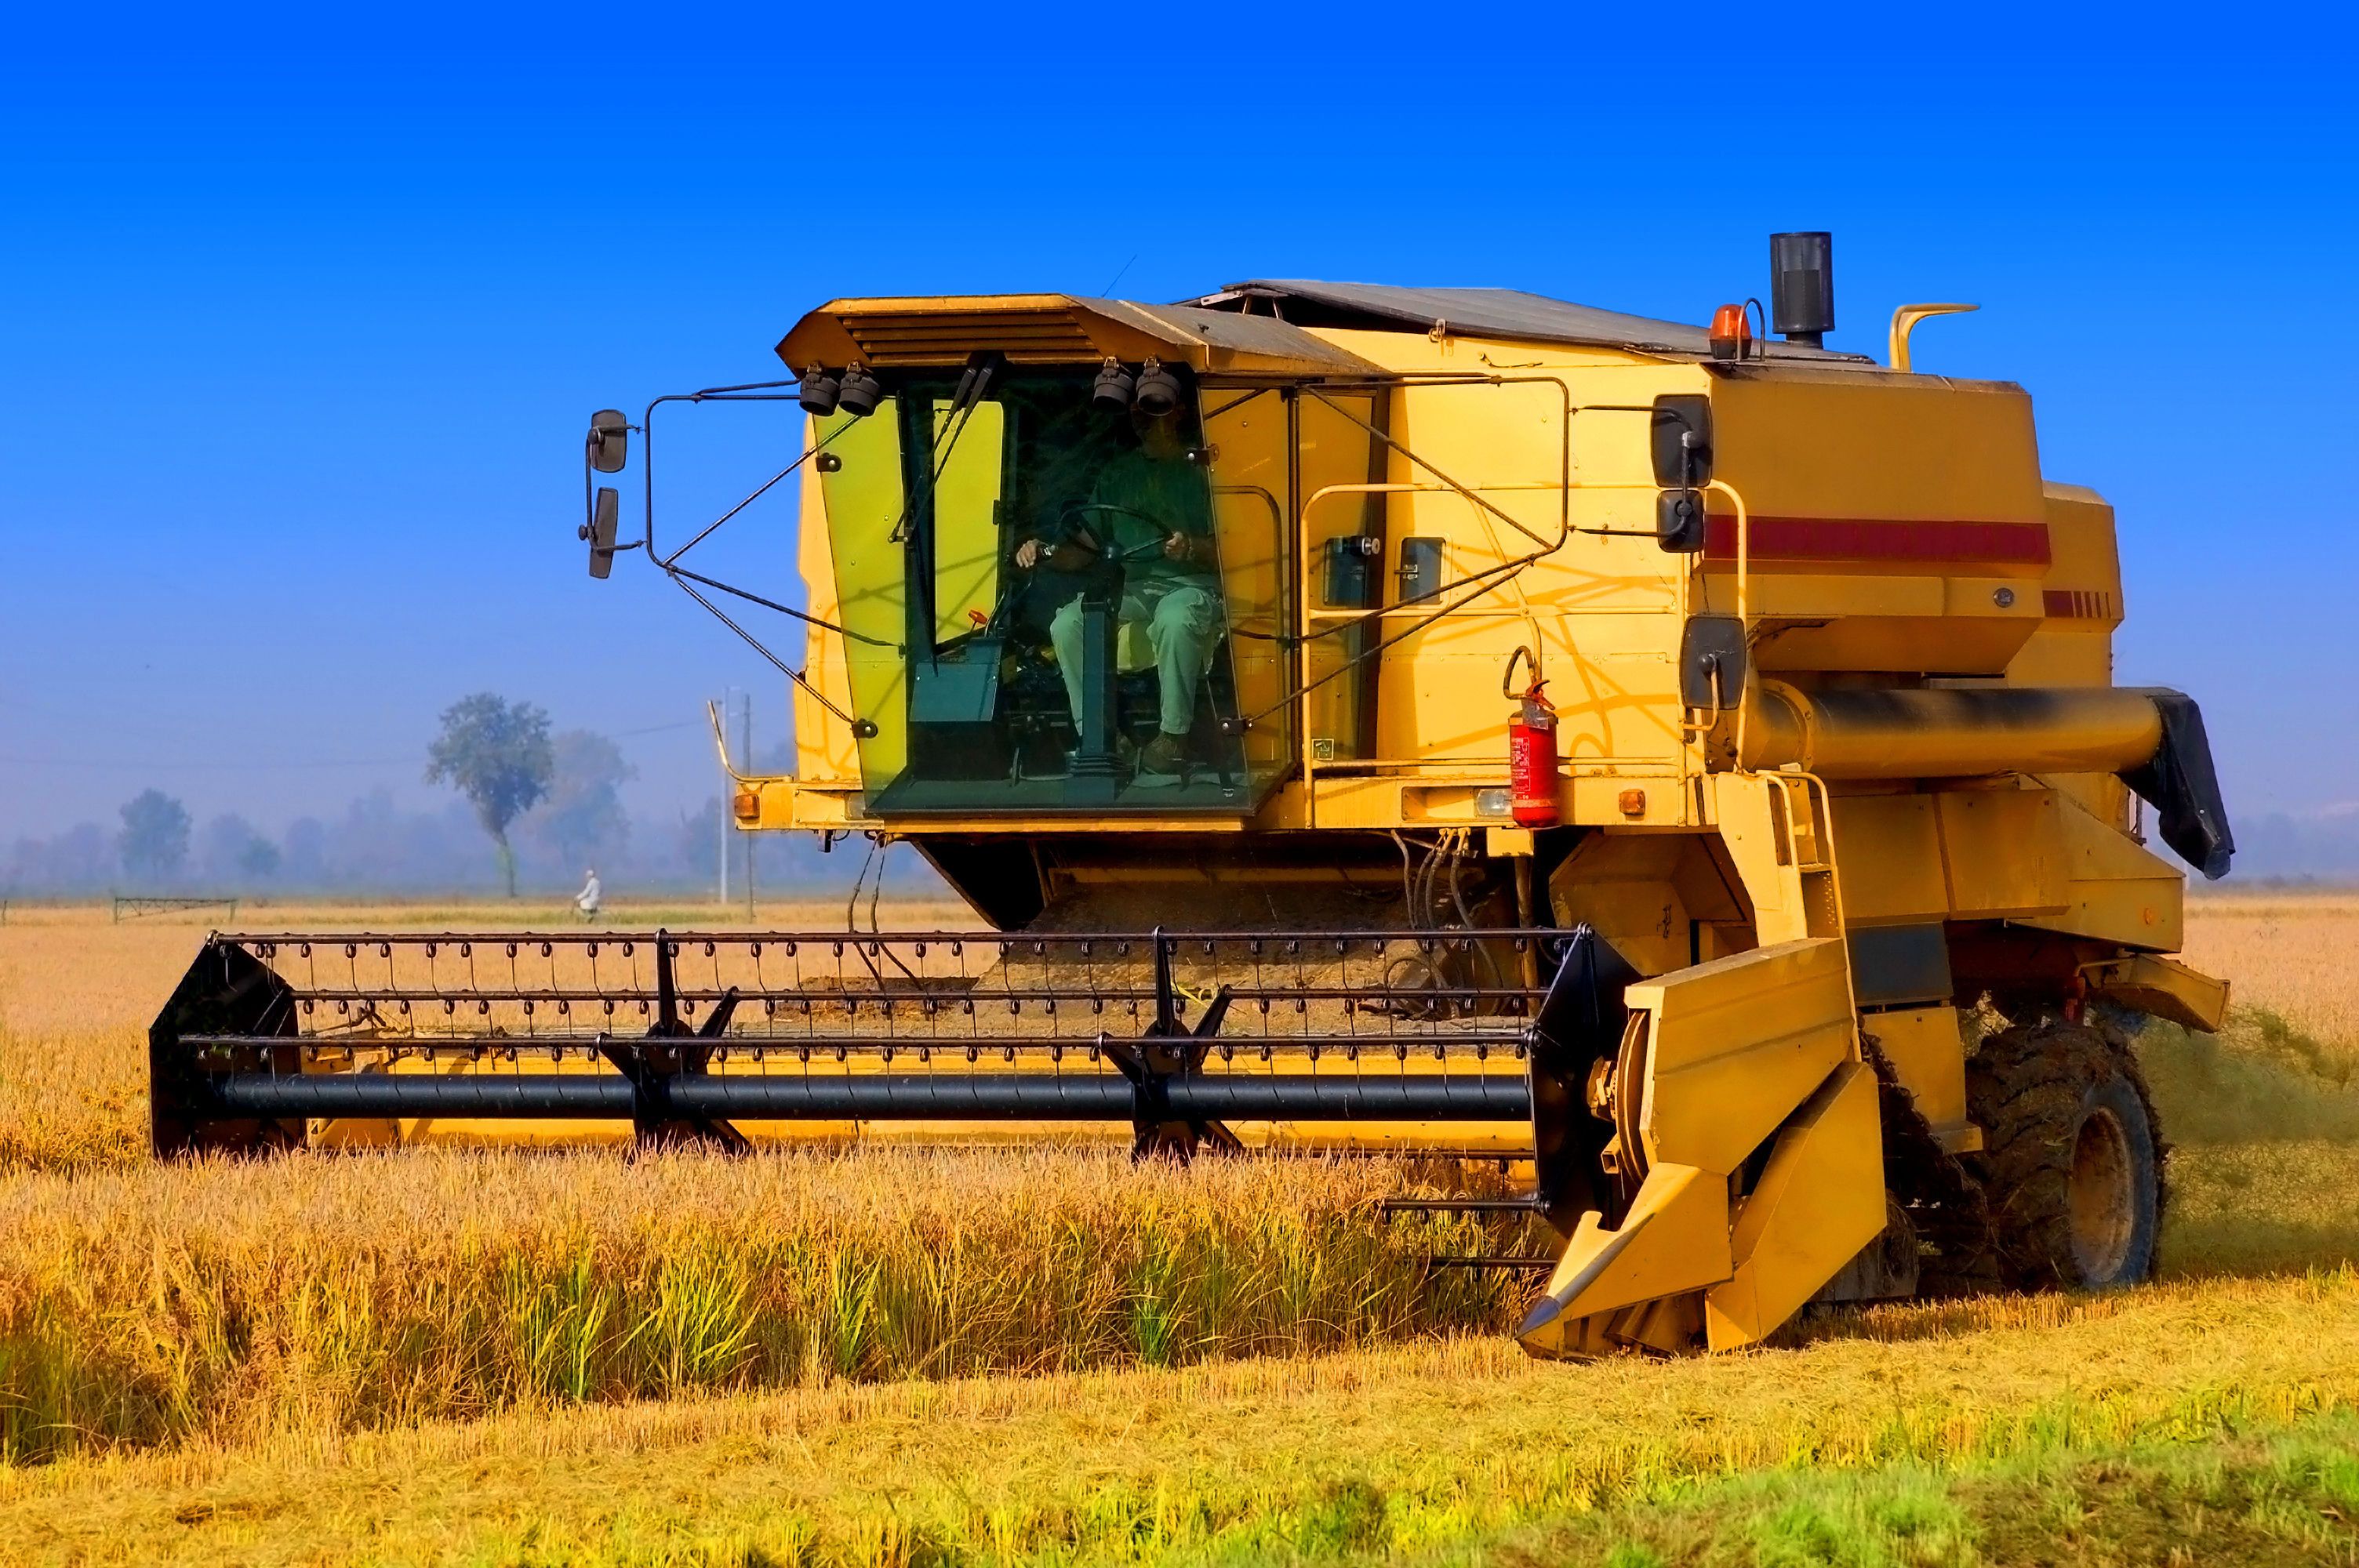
[{"x": 1877, "y": 539}]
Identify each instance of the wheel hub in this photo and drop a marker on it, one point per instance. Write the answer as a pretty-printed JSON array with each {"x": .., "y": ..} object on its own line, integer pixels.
[{"x": 2103, "y": 1202}]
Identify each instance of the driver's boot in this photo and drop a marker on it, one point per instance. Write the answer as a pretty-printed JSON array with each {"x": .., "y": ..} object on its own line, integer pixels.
[{"x": 1164, "y": 761}]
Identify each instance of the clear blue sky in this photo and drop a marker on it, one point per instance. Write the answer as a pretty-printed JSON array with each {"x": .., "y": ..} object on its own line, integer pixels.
[{"x": 301, "y": 314}]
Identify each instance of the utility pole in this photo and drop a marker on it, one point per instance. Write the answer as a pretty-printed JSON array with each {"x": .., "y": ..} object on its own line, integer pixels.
[
  {"x": 724, "y": 899},
  {"x": 748, "y": 836}
]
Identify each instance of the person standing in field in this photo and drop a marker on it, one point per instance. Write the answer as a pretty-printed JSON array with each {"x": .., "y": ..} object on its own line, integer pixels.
[{"x": 586, "y": 900}]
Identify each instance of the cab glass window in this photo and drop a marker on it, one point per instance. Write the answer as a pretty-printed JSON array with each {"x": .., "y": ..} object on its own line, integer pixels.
[{"x": 1069, "y": 609}]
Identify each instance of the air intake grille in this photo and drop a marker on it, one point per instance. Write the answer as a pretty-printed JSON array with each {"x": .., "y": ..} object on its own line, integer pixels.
[{"x": 918, "y": 337}]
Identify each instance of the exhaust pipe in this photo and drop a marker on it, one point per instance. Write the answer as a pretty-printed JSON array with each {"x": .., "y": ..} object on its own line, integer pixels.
[{"x": 1802, "y": 286}]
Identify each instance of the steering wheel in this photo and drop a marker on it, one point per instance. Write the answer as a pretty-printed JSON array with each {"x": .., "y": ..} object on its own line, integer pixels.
[{"x": 1068, "y": 525}]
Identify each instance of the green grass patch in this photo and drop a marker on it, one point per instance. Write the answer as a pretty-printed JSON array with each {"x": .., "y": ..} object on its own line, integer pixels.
[{"x": 2287, "y": 1495}]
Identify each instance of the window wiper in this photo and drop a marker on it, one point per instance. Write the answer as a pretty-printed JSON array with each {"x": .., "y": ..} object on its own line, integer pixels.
[{"x": 982, "y": 367}]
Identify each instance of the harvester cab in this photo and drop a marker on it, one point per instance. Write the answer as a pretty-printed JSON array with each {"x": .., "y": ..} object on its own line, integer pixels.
[{"x": 1682, "y": 764}]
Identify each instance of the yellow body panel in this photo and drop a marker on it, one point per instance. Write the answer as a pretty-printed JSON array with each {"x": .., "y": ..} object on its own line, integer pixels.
[
  {"x": 2111, "y": 886},
  {"x": 1732, "y": 1048},
  {"x": 1675, "y": 1239},
  {"x": 1928, "y": 1056},
  {"x": 1892, "y": 869},
  {"x": 1735, "y": 1044},
  {"x": 2003, "y": 851},
  {"x": 1819, "y": 1200}
]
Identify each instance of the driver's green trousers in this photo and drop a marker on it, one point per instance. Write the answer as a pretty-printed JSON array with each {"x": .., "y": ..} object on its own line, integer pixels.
[{"x": 1181, "y": 618}]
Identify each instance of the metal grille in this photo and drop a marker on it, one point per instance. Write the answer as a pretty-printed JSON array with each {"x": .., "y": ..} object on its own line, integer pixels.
[{"x": 935, "y": 338}]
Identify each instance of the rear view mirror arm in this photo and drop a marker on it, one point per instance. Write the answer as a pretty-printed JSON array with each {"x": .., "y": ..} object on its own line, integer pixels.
[
  {"x": 750, "y": 393},
  {"x": 862, "y": 728},
  {"x": 813, "y": 451},
  {"x": 781, "y": 609}
]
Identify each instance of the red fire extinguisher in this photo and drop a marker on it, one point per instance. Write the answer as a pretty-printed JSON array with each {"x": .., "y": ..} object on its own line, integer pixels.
[{"x": 1532, "y": 755}]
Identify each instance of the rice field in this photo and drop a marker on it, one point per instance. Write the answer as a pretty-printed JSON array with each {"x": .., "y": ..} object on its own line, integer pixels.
[
  {"x": 2290, "y": 953},
  {"x": 901, "y": 1356}
]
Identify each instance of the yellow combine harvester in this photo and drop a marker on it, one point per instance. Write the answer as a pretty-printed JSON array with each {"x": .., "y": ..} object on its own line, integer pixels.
[{"x": 1374, "y": 718}]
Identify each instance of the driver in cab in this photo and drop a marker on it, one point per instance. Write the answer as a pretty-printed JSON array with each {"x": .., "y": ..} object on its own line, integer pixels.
[{"x": 1150, "y": 511}]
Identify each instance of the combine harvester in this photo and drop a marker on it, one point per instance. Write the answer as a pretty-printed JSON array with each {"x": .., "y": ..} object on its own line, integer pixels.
[{"x": 1447, "y": 721}]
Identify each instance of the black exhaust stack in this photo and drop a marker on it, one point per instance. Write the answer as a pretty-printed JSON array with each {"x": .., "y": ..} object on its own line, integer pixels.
[{"x": 1802, "y": 286}]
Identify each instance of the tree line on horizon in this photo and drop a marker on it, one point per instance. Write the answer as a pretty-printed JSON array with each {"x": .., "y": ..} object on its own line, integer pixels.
[{"x": 532, "y": 803}]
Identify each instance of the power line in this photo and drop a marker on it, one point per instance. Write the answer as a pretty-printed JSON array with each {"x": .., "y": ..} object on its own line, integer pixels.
[{"x": 315, "y": 762}]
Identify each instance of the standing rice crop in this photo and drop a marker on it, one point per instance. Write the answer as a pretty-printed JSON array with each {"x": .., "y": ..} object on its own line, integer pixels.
[{"x": 222, "y": 1299}]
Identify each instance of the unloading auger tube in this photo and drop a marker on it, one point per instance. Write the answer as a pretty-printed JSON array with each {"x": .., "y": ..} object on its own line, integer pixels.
[
  {"x": 2153, "y": 738},
  {"x": 283, "y": 1042}
]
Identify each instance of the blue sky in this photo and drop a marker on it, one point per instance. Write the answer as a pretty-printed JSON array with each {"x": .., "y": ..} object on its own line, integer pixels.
[{"x": 301, "y": 314}]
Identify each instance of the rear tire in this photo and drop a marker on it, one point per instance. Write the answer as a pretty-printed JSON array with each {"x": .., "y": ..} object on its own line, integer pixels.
[{"x": 2072, "y": 1157}]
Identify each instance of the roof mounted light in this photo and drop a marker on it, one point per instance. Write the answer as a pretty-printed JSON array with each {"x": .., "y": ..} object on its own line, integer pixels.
[
  {"x": 1732, "y": 335},
  {"x": 819, "y": 392},
  {"x": 1111, "y": 395},
  {"x": 859, "y": 393},
  {"x": 1158, "y": 391}
]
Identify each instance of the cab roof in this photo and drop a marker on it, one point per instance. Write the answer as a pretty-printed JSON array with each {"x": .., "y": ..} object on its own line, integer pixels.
[{"x": 1507, "y": 313}]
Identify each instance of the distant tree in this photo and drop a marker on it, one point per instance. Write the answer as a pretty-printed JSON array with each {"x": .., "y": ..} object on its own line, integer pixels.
[
  {"x": 306, "y": 857},
  {"x": 154, "y": 839},
  {"x": 231, "y": 850},
  {"x": 699, "y": 836},
  {"x": 582, "y": 817},
  {"x": 81, "y": 858},
  {"x": 497, "y": 755}
]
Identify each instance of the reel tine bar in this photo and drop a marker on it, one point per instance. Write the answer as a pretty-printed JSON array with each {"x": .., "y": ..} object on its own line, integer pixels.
[{"x": 681, "y": 1032}]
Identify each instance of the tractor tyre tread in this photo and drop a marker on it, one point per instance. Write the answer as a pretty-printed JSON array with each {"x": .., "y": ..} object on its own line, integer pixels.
[{"x": 2031, "y": 1088}]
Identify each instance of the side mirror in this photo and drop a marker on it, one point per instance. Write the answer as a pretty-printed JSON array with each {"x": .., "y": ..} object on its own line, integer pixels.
[
  {"x": 1679, "y": 435},
  {"x": 1680, "y": 521},
  {"x": 1713, "y": 658},
  {"x": 600, "y": 531},
  {"x": 610, "y": 440}
]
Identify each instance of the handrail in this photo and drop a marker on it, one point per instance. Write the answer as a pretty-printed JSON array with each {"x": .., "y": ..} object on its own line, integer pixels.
[{"x": 1743, "y": 542}]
